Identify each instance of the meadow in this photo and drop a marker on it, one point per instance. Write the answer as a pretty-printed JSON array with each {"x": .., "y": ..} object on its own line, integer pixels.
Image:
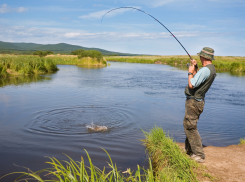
[
  {"x": 25, "y": 65},
  {"x": 222, "y": 63},
  {"x": 29, "y": 64},
  {"x": 86, "y": 60}
]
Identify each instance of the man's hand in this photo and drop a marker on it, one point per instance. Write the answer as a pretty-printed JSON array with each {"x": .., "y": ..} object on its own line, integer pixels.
[
  {"x": 194, "y": 62},
  {"x": 193, "y": 68}
]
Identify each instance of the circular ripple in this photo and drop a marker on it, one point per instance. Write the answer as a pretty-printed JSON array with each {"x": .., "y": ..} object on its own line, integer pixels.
[{"x": 73, "y": 121}]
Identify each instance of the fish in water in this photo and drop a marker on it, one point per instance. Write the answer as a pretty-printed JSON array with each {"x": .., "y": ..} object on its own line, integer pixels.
[{"x": 93, "y": 127}]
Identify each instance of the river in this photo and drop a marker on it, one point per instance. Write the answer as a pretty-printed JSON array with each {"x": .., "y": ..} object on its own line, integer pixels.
[{"x": 47, "y": 115}]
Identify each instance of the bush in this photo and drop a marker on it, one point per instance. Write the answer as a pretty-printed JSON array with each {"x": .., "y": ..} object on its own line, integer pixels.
[
  {"x": 91, "y": 54},
  {"x": 25, "y": 65},
  {"x": 77, "y": 52},
  {"x": 42, "y": 53}
]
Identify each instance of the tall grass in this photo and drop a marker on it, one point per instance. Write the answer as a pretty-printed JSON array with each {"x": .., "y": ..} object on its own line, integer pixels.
[
  {"x": 222, "y": 63},
  {"x": 25, "y": 65},
  {"x": 242, "y": 141},
  {"x": 72, "y": 171},
  {"x": 169, "y": 162},
  {"x": 74, "y": 60}
]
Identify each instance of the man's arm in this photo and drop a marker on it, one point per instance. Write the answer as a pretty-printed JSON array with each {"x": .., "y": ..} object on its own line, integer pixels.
[{"x": 193, "y": 70}]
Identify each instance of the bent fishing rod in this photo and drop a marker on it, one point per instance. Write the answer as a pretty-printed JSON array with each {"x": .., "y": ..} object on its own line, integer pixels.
[{"x": 154, "y": 19}]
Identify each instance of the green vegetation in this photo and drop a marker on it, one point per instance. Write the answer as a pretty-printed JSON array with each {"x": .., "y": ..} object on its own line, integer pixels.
[
  {"x": 71, "y": 171},
  {"x": 242, "y": 141},
  {"x": 42, "y": 53},
  {"x": 92, "y": 58},
  {"x": 222, "y": 63},
  {"x": 91, "y": 54},
  {"x": 169, "y": 162},
  {"x": 87, "y": 58},
  {"x": 25, "y": 65},
  {"x": 77, "y": 52},
  {"x": 88, "y": 61}
]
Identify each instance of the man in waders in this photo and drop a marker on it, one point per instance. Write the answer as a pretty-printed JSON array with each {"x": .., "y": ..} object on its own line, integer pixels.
[{"x": 198, "y": 84}]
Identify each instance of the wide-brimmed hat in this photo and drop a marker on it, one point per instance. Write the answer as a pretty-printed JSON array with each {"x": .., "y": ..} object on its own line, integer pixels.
[{"x": 207, "y": 53}]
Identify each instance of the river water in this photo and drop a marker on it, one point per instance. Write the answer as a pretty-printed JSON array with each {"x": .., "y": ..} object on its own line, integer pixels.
[{"x": 47, "y": 115}]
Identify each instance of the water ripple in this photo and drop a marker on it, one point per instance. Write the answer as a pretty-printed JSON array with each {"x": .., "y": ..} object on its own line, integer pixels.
[{"x": 74, "y": 120}]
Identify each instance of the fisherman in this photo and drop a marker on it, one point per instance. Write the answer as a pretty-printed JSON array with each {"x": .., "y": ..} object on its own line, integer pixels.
[{"x": 198, "y": 84}]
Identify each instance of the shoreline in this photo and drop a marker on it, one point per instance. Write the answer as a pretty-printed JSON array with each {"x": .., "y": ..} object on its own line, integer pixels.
[
  {"x": 224, "y": 163},
  {"x": 222, "y": 63}
]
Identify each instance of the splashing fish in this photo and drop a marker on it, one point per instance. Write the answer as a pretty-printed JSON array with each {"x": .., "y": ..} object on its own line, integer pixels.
[{"x": 94, "y": 127}]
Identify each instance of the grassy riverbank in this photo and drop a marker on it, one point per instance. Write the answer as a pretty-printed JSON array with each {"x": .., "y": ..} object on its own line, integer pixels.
[
  {"x": 75, "y": 60},
  {"x": 25, "y": 65},
  {"x": 30, "y": 65},
  {"x": 167, "y": 163},
  {"x": 222, "y": 63},
  {"x": 76, "y": 171}
]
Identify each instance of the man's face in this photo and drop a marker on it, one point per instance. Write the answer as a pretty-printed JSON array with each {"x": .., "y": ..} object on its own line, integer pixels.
[{"x": 202, "y": 59}]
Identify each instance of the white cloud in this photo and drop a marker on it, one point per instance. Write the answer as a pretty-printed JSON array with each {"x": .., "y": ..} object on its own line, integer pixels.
[
  {"x": 157, "y": 3},
  {"x": 66, "y": 34},
  {"x": 57, "y": 9},
  {"x": 151, "y": 43},
  {"x": 21, "y": 9},
  {"x": 99, "y": 14},
  {"x": 71, "y": 34},
  {"x": 6, "y": 9}
]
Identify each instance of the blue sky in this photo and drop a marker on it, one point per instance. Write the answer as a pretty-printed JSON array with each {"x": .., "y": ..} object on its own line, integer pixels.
[{"x": 219, "y": 24}]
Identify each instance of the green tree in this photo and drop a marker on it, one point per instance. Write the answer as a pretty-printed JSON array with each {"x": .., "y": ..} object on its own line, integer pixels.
[
  {"x": 92, "y": 54},
  {"x": 42, "y": 53},
  {"x": 77, "y": 52}
]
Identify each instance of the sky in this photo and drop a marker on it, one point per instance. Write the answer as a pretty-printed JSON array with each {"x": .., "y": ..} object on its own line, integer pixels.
[{"x": 219, "y": 24}]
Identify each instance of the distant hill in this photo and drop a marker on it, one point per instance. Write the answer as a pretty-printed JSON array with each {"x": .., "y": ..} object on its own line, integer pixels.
[{"x": 61, "y": 48}]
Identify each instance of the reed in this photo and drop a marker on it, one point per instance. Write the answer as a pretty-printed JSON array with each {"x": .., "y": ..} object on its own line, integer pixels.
[
  {"x": 222, "y": 63},
  {"x": 242, "y": 141},
  {"x": 169, "y": 162},
  {"x": 72, "y": 171},
  {"x": 25, "y": 65},
  {"x": 78, "y": 60}
]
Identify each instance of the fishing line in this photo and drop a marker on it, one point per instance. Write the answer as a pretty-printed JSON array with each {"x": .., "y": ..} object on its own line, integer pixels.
[{"x": 151, "y": 17}]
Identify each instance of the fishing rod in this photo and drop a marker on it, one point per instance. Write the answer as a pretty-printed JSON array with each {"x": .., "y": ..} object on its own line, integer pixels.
[{"x": 154, "y": 19}]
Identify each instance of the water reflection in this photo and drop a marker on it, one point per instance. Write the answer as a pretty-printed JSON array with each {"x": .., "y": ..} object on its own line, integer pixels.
[
  {"x": 21, "y": 80},
  {"x": 91, "y": 67},
  {"x": 233, "y": 73}
]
